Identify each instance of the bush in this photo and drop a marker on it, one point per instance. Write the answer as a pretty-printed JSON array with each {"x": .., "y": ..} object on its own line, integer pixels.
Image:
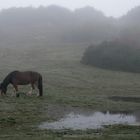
[{"x": 113, "y": 55}]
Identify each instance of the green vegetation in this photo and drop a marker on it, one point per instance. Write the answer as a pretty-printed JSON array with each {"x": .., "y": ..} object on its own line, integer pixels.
[
  {"x": 113, "y": 55},
  {"x": 67, "y": 83},
  {"x": 52, "y": 41}
]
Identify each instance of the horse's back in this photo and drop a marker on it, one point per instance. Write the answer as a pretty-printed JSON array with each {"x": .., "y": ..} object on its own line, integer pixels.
[
  {"x": 29, "y": 73},
  {"x": 25, "y": 77}
]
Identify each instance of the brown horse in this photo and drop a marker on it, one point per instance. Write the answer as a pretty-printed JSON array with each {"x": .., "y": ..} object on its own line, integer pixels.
[{"x": 22, "y": 78}]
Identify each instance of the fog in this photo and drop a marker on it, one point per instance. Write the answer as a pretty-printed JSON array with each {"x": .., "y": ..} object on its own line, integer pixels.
[
  {"x": 80, "y": 48},
  {"x": 54, "y": 24},
  {"x": 59, "y": 26},
  {"x": 115, "y": 8}
]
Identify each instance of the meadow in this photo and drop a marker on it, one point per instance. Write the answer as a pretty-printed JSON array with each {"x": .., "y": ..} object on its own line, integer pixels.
[{"x": 67, "y": 84}]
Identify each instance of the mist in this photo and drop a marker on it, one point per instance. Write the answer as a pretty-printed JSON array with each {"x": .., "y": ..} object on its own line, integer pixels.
[
  {"x": 108, "y": 7},
  {"x": 54, "y": 24},
  {"x": 81, "y": 57}
]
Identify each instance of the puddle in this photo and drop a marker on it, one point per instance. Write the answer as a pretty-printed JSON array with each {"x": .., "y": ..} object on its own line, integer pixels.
[{"x": 95, "y": 120}]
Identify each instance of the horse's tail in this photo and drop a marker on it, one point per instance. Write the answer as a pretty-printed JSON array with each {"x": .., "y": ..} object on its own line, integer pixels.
[{"x": 40, "y": 86}]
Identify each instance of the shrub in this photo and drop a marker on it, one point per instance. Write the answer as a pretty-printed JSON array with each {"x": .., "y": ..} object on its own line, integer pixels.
[{"x": 113, "y": 55}]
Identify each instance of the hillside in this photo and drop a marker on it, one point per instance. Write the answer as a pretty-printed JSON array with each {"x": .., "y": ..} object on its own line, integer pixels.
[
  {"x": 45, "y": 25},
  {"x": 129, "y": 27},
  {"x": 38, "y": 26}
]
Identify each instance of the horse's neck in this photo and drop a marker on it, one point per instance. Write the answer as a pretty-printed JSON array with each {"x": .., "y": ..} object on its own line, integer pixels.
[{"x": 6, "y": 81}]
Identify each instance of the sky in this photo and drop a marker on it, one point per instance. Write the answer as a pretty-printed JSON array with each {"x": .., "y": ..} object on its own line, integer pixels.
[{"x": 115, "y": 8}]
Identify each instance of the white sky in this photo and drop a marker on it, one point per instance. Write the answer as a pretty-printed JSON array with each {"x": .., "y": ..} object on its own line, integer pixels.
[{"x": 114, "y": 8}]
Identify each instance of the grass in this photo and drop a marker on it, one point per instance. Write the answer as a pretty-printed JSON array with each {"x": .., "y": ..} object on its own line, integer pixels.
[{"x": 66, "y": 83}]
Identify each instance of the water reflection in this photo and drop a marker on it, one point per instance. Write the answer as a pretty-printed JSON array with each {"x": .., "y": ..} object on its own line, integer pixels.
[{"x": 95, "y": 120}]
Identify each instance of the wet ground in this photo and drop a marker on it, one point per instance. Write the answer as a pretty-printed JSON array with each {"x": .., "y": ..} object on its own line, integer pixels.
[{"x": 82, "y": 119}]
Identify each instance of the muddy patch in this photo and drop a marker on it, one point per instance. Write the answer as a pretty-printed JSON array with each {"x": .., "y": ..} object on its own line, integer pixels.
[
  {"x": 94, "y": 120},
  {"x": 125, "y": 99}
]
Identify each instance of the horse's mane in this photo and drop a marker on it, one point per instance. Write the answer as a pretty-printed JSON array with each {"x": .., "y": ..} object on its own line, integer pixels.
[{"x": 7, "y": 79}]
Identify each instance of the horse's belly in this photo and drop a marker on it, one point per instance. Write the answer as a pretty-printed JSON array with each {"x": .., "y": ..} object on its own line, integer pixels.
[
  {"x": 21, "y": 81},
  {"x": 24, "y": 83}
]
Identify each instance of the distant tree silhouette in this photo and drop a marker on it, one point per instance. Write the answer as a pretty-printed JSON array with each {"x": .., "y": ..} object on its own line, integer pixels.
[{"x": 113, "y": 55}]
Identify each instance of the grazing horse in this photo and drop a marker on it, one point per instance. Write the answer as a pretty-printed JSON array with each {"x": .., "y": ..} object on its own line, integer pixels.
[{"x": 22, "y": 78}]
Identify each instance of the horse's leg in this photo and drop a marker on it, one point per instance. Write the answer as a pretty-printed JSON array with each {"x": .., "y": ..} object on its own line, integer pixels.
[
  {"x": 36, "y": 84},
  {"x": 31, "y": 90},
  {"x": 16, "y": 90},
  {"x": 1, "y": 94},
  {"x": 33, "y": 87}
]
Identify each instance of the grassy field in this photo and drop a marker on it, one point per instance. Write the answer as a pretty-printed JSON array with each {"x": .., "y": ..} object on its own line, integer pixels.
[{"x": 67, "y": 83}]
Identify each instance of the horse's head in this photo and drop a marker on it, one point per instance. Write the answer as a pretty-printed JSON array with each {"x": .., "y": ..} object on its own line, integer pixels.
[{"x": 3, "y": 89}]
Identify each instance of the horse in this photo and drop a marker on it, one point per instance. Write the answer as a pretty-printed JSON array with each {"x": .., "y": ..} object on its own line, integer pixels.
[{"x": 16, "y": 78}]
